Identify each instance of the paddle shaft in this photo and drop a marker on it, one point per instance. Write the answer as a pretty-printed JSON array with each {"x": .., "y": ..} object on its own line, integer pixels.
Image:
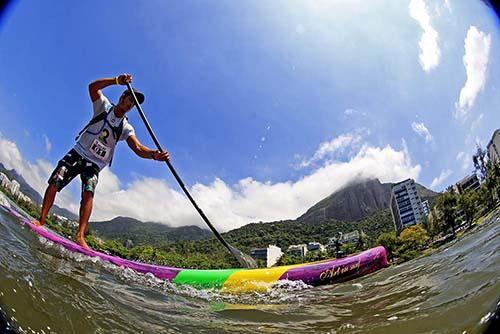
[{"x": 169, "y": 164}]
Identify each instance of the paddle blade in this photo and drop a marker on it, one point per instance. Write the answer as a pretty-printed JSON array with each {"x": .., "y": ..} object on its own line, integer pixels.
[{"x": 245, "y": 260}]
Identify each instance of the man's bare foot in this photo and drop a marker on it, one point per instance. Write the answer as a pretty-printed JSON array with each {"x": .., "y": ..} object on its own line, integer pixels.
[
  {"x": 37, "y": 223},
  {"x": 81, "y": 241}
]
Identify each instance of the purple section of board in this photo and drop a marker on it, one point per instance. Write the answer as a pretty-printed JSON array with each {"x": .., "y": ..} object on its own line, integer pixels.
[
  {"x": 167, "y": 273},
  {"x": 340, "y": 270}
]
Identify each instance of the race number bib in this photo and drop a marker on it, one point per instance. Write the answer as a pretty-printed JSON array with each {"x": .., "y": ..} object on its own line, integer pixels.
[{"x": 100, "y": 150}]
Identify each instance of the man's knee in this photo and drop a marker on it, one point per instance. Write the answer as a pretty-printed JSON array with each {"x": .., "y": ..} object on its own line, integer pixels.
[{"x": 89, "y": 183}]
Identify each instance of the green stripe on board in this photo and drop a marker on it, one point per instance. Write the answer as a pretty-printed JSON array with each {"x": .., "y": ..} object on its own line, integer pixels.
[{"x": 204, "y": 279}]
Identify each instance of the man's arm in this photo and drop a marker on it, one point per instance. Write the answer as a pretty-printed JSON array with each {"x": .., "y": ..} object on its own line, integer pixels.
[
  {"x": 145, "y": 152},
  {"x": 96, "y": 86}
]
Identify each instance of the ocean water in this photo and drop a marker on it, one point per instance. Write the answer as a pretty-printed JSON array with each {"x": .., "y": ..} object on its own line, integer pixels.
[{"x": 46, "y": 289}]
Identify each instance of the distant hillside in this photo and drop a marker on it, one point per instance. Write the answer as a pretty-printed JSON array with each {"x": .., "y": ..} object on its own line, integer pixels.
[
  {"x": 362, "y": 205},
  {"x": 427, "y": 194},
  {"x": 353, "y": 202},
  {"x": 125, "y": 228},
  {"x": 356, "y": 201},
  {"x": 33, "y": 194},
  {"x": 289, "y": 232}
]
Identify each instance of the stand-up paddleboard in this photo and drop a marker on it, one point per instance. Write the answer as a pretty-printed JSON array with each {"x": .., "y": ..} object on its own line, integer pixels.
[{"x": 235, "y": 280}]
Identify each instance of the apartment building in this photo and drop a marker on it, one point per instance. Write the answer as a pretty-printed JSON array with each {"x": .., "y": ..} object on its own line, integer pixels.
[{"x": 406, "y": 206}]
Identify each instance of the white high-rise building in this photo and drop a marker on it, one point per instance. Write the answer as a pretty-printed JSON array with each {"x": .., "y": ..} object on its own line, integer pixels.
[
  {"x": 271, "y": 254},
  {"x": 315, "y": 247},
  {"x": 4, "y": 181},
  {"x": 426, "y": 207},
  {"x": 297, "y": 250},
  {"x": 23, "y": 197},
  {"x": 406, "y": 206},
  {"x": 14, "y": 187}
]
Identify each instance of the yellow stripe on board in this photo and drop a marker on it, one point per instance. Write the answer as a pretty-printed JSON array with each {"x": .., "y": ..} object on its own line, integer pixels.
[{"x": 258, "y": 280}]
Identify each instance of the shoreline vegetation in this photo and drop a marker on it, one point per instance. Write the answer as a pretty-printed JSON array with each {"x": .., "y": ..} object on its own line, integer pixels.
[{"x": 452, "y": 216}]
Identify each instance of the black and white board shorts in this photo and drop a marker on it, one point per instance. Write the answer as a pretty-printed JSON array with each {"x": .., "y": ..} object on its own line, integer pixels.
[{"x": 71, "y": 165}]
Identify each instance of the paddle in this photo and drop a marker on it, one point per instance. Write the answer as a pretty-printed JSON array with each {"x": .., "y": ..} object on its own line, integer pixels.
[{"x": 245, "y": 260}]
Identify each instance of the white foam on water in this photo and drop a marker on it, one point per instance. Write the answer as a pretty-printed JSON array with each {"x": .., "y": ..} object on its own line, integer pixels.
[
  {"x": 29, "y": 279},
  {"x": 45, "y": 242},
  {"x": 130, "y": 275},
  {"x": 346, "y": 326},
  {"x": 486, "y": 318},
  {"x": 283, "y": 291}
]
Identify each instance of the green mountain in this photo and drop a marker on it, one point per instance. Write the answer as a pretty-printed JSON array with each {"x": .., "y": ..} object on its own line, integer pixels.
[
  {"x": 362, "y": 205},
  {"x": 427, "y": 194},
  {"x": 290, "y": 232},
  {"x": 353, "y": 202},
  {"x": 125, "y": 228},
  {"x": 357, "y": 200}
]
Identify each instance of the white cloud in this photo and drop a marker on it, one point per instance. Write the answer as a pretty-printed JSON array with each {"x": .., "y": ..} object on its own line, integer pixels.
[
  {"x": 422, "y": 131},
  {"x": 33, "y": 173},
  {"x": 300, "y": 29},
  {"x": 249, "y": 200},
  {"x": 227, "y": 206},
  {"x": 441, "y": 178},
  {"x": 443, "y": 6},
  {"x": 352, "y": 112},
  {"x": 447, "y": 5},
  {"x": 477, "y": 122},
  {"x": 36, "y": 174},
  {"x": 430, "y": 53},
  {"x": 336, "y": 145},
  {"x": 471, "y": 137},
  {"x": 465, "y": 160},
  {"x": 477, "y": 49},
  {"x": 48, "y": 144}
]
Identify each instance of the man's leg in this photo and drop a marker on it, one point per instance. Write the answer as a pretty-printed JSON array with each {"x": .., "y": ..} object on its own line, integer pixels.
[
  {"x": 89, "y": 177},
  {"x": 48, "y": 200},
  {"x": 60, "y": 177},
  {"x": 85, "y": 210}
]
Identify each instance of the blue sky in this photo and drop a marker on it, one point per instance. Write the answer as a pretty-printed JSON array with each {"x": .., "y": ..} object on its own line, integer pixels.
[{"x": 265, "y": 106}]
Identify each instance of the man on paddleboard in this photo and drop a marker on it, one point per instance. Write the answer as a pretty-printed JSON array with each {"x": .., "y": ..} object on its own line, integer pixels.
[{"x": 94, "y": 149}]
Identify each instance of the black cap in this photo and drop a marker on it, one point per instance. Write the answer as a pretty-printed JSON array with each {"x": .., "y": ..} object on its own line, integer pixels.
[{"x": 138, "y": 94}]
